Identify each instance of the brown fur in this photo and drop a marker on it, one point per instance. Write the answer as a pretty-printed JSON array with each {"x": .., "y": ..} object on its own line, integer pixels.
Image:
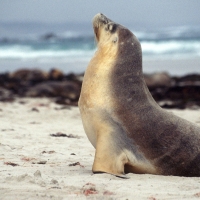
[{"x": 130, "y": 132}]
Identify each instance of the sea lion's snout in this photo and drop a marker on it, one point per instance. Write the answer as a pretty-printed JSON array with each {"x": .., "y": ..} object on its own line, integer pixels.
[{"x": 100, "y": 19}]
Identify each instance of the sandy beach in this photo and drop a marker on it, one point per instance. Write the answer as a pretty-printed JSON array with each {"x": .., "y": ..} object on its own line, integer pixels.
[
  {"x": 37, "y": 164},
  {"x": 45, "y": 48}
]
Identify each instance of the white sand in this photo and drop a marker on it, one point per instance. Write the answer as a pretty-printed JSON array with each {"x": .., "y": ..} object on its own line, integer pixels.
[{"x": 25, "y": 139}]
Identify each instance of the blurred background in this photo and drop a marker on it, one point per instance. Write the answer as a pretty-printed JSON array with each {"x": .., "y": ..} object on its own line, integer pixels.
[{"x": 58, "y": 34}]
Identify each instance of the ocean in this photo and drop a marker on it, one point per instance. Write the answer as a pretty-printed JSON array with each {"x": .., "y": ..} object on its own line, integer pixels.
[{"x": 70, "y": 47}]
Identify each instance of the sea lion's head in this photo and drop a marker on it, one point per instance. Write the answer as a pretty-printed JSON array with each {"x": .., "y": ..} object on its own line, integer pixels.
[
  {"x": 104, "y": 29},
  {"x": 116, "y": 39}
]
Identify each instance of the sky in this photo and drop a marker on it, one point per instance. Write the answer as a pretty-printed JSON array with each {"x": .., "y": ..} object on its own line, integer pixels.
[{"x": 143, "y": 12}]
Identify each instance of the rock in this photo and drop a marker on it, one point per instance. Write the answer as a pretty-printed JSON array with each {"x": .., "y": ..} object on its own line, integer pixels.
[
  {"x": 6, "y": 95},
  {"x": 191, "y": 79},
  {"x": 172, "y": 104},
  {"x": 66, "y": 89},
  {"x": 56, "y": 74},
  {"x": 169, "y": 92},
  {"x": 29, "y": 75},
  {"x": 157, "y": 80},
  {"x": 4, "y": 79}
]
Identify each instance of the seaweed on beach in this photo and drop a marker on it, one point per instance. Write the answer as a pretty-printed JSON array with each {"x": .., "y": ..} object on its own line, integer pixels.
[
  {"x": 59, "y": 134},
  {"x": 11, "y": 163}
]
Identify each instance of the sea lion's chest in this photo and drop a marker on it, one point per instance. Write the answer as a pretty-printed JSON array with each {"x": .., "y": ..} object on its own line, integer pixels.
[{"x": 97, "y": 83}]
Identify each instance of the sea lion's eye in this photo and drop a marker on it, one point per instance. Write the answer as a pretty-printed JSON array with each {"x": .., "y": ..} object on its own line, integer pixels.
[{"x": 115, "y": 40}]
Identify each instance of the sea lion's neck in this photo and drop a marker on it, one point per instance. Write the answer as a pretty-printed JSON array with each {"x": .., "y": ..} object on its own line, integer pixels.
[
  {"x": 127, "y": 75},
  {"x": 129, "y": 85}
]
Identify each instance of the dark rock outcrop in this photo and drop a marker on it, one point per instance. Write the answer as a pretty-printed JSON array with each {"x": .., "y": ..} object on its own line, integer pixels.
[{"x": 169, "y": 92}]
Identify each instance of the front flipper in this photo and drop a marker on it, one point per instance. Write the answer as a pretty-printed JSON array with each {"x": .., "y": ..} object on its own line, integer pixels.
[{"x": 109, "y": 157}]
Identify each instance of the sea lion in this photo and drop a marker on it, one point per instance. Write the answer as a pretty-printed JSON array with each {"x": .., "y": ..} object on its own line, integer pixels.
[{"x": 130, "y": 131}]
